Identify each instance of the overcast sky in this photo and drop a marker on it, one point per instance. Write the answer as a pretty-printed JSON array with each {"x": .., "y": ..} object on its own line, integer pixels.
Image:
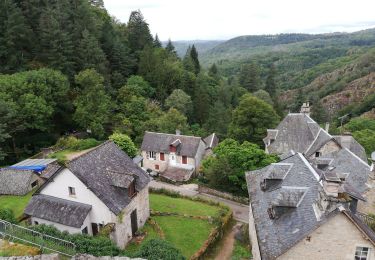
[{"x": 218, "y": 19}]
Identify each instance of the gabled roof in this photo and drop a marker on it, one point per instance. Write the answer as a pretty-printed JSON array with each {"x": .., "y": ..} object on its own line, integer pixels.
[
  {"x": 321, "y": 139},
  {"x": 160, "y": 142},
  {"x": 66, "y": 212},
  {"x": 96, "y": 170},
  {"x": 348, "y": 141},
  {"x": 15, "y": 181},
  {"x": 295, "y": 132},
  {"x": 345, "y": 161},
  {"x": 211, "y": 141}
]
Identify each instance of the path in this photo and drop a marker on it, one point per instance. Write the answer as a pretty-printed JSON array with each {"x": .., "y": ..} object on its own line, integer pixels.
[
  {"x": 240, "y": 211},
  {"x": 226, "y": 250}
]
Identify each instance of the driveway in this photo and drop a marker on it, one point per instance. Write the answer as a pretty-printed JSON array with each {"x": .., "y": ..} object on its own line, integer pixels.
[{"x": 240, "y": 211}]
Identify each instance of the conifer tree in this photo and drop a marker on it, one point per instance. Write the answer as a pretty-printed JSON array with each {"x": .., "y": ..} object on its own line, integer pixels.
[
  {"x": 249, "y": 77},
  {"x": 157, "y": 42},
  {"x": 271, "y": 82},
  {"x": 138, "y": 32},
  {"x": 212, "y": 70},
  {"x": 170, "y": 48},
  {"x": 194, "y": 57}
]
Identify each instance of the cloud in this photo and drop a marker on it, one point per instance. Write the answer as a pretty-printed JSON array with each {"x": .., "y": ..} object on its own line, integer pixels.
[{"x": 223, "y": 19}]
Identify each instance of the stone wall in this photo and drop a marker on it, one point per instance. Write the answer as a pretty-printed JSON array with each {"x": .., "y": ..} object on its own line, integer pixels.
[
  {"x": 336, "y": 239},
  {"x": 123, "y": 230},
  {"x": 77, "y": 257}
]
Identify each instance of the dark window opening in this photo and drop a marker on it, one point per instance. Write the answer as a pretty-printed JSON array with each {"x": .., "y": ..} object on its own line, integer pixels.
[
  {"x": 156, "y": 166},
  {"x": 317, "y": 154},
  {"x": 35, "y": 183},
  {"x": 72, "y": 191},
  {"x": 162, "y": 157},
  {"x": 36, "y": 223},
  {"x": 85, "y": 231},
  {"x": 172, "y": 149},
  {"x": 131, "y": 189}
]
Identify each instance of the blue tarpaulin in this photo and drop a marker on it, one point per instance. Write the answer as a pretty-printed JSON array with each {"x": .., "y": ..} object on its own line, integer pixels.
[{"x": 37, "y": 168}]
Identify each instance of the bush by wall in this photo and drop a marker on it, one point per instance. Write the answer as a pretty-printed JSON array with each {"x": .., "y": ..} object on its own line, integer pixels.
[{"x": 156, "y": 249}]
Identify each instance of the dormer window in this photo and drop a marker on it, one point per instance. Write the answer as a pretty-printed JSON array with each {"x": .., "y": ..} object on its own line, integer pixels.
[
  {"x": 318, "y": 154},
  {"x": 131, "y": 189},
  {"x": 172, "y": 149}
]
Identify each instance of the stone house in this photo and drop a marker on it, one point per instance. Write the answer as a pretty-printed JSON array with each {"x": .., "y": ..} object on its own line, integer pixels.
[
  {"x": 100, "y": 188},
  {"x": 300, "y": 212},
  {"x": 175, "y": 156},
  {"x": 21, "y": 178}
]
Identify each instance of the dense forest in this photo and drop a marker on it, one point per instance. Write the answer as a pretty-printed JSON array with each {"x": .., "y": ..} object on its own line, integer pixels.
[{"x": 69, "y": 67}]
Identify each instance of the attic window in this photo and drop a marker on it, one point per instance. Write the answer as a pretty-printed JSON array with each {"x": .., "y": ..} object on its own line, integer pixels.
[
  {"x": 72, "y": 191},
  {"x": 317, "y": 154},
  {"x": 131, "y": 189}
]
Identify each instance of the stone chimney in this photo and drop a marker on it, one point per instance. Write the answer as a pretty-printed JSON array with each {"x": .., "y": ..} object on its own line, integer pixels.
[
  {"x": 305, "y": 108},
  {"x": 178, "y": 132}
]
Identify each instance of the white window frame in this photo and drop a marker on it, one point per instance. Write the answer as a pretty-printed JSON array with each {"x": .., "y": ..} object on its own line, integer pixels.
[
  {"x": 151, "y": 155},
  {"x": 363, "y": 255}
]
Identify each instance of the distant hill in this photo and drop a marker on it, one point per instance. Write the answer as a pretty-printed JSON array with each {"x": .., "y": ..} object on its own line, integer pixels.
[{"x": 201, "y": 45}]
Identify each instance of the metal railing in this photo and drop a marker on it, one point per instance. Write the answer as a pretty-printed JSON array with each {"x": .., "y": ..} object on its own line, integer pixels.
[
  {"x": 368, "y": 220},
  {"x": 45, "y": 242}
]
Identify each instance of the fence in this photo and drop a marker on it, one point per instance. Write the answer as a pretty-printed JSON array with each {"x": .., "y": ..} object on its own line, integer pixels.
[{"x": 47, "y": 243}]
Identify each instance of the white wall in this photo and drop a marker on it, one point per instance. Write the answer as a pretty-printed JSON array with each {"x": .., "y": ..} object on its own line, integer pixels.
[
  {"x": 59, "y": 188},
  {"x": 61, "y": 227}
]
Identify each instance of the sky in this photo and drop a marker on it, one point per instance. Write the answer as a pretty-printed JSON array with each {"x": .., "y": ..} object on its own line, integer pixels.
[{"x": 218, "y": 19}]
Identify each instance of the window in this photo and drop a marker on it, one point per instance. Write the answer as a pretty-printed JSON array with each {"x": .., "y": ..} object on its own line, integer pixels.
[
  {"x": 156, "y": 166},
  {"x": 172, "y": 149},
  {"x": 36, "y": 223},
  {"x": 151, "y": 155},
  {"x": 131, "y": 189},
  {"x": 317, "y": 154},
  {"x": 72, "y": 191},
  {"x": 85, "y": 231},
  {"x": 184, "y": 159},
  {"x": 35, "y": 183},
  {"x": 162, "y": 157},
  {"x": 361, "y": 253}
]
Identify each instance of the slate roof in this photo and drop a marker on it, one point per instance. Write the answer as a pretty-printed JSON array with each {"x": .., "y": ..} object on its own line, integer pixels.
[
  {"x": 345, "y": 161},
  {"x": 211, "y": 141},
  {"x": 95, "y": 169},
  {"x": 276, "y": 236},
  {"x": 159, "y": 142},
  {"x": 321, "y": 139},
  {"x": 66, "y": 212},
  {"x": 348, "y": 141},
  {"x": 50, "y": 170},
  {"x": 33, "y": 162},
  {"x": 15, "y": 181},
  {"x": 295, "y": 132}
]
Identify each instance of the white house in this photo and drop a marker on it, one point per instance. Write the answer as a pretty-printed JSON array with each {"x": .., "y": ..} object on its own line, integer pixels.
[
  {"x": 177, "y": 156},
  {"x": 102, "y": 187}
]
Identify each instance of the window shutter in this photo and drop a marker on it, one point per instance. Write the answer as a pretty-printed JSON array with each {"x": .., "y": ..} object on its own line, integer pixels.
[{"x": 162, "y": 157}]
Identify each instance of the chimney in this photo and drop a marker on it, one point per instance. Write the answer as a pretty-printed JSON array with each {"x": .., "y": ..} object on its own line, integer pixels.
[
  {"x": 178, "y": 132},
  {"x": 305, "y": 109},
  {"x": 327, "y": 127},
  {"x": 372, "y": 164}
]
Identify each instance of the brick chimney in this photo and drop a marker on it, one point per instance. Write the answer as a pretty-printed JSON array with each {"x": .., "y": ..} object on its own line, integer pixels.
[{"x": 305, "y": 108}]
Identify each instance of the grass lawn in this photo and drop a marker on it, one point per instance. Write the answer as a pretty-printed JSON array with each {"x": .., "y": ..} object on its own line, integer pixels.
[
  {"x": 164, "y": 203},
  {"x": 188, "y": 235},
  {"x": 7, "y": 249},
  {"x": 15, "y": 203}
]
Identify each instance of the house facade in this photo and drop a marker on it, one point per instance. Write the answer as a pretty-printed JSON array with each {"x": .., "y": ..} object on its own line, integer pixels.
[
  {"x": 176, "y": 157},
  {"x": 102, "y": 188}
]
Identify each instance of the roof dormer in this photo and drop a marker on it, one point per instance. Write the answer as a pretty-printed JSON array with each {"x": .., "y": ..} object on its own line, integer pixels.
[
  {"x": 286, "y": 200},
  {"x": 275, "y": 174}
]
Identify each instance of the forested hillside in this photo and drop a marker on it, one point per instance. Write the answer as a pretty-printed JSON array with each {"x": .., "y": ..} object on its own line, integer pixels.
[{"x": 69, "y": 67}]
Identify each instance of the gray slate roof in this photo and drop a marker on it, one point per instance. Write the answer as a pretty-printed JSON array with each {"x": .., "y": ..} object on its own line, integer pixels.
[
  {"x": 349, "y": 142},
  {"x": 66, "y": 212},
  {"x": 50, "y": 170},
  {"x": 15, "y": 181},
  {"x": 295, "y": 132},
  {"x": 276, "y": 236},
  {"x": 159, "y": 142},
  {"x": 95, "y": 169},
  {"x": 211, "y": 141},
  {"x": 345, "y": 161},
  {"x": 321, "y": 139}
]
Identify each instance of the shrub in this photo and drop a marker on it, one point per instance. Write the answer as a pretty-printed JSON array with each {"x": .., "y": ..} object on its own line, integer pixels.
[
  {"x": 125, "y": 143},
  {"x": 156, "y": 249},
  {"x": 8, "y": 215},
  {"x": 97, "y": 246},
  {"x": 75, "y": 144}
]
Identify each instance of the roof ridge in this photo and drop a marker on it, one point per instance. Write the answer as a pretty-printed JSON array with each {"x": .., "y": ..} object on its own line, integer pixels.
[
  {"x": 89, "y": 151},
  {"x": 173, "y": 134}
]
